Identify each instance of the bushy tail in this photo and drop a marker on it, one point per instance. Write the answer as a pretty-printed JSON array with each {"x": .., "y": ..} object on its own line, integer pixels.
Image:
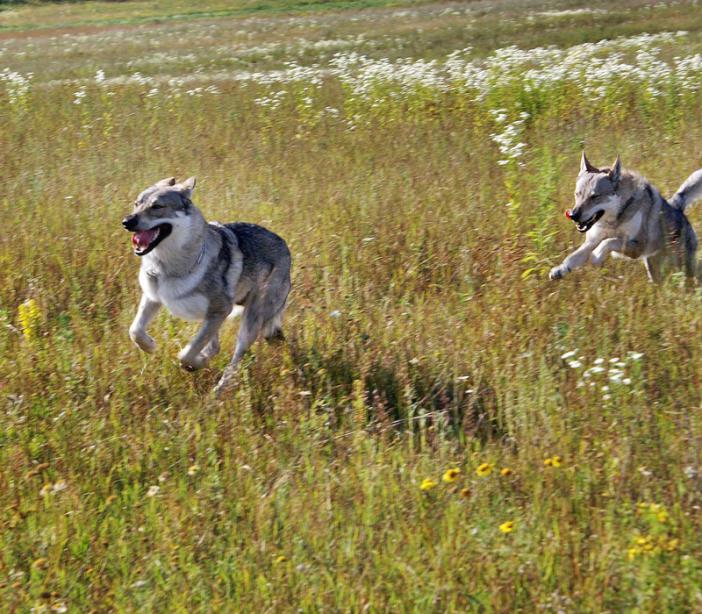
[{"x": 688, "y": 192}]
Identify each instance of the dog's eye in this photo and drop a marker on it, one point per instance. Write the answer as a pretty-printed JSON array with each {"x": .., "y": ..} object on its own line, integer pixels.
[{"x": 157, "y": 206}]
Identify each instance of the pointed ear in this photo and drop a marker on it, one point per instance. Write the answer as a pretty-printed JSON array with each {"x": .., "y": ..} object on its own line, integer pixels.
[
  {"x": 586, "y": 167},
  {"x": 188, "y": 186},
  {"x": 166, "y": 182},
  {"x": 616, "y": 172}
]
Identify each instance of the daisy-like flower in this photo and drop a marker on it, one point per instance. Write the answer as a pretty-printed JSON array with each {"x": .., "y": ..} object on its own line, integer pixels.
[
  {"x": 507, "y": 527},
  {"x": 465, "y": 493},
  {"x": 505, "y": 472},
  {"x": 484, "y": 469},
  {"x": 153, "y": 491},
  {"x": 451, "y": 475},
  {"x": 427, "y": 484}
]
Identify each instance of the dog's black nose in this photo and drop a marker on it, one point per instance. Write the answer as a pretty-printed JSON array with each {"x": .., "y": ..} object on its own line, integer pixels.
[
  {"x": 575, "y": 215},
  {"x": 130, "y": 222}
]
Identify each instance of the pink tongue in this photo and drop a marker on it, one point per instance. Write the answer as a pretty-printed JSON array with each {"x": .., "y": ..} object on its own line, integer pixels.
[{"x": 143, "y": 238}]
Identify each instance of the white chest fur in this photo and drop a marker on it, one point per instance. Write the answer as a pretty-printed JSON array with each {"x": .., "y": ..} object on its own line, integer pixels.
[
  {"x": 177, "y": 294},
  {"x": 631, "y": 227}
]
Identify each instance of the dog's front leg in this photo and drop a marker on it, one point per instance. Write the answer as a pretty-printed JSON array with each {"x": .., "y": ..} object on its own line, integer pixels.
[
  {"x": 191, "y": 356},
  {"x": 137, "y": 331},
  {"x": 605, "y": 248},
  {"x": 577, "y": 259}
]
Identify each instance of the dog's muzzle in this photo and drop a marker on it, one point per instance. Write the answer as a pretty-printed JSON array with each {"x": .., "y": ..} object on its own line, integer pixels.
[
  {"x": 585, "y": 225},
  {"x": 130, "y": 222}
]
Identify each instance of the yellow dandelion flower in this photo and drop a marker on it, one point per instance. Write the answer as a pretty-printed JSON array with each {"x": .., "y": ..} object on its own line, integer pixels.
[
  {"x": 484, "y": 469},
  {"x": 451, "y": 475},
  {"x": 29, "y": 317},
  {"x": 632, "y": 553},
  {"x": 465, "y": 493},
  {"x": 427, "y": 484},
  {"x": 505, "y": 472},
  {"x": 507, "y": 527}
]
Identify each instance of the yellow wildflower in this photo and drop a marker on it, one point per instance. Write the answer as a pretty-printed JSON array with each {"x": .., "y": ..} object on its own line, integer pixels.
[
  {"x": 505, "y": 472},
  {"x": 281, "y": 558},
  {"x": 484, "y": 469},
  {"x": 632, "y": 553},
  {"x": 672, "y": 545},
  {"x": 29, "y": 316},
  {"x": 507, "y": 527},
  {"x": 553, "y": 461},
  {"x": 465, "y": 492},
  {"x": 451, "y": 475},
  {"x": 427, "y": 484}
]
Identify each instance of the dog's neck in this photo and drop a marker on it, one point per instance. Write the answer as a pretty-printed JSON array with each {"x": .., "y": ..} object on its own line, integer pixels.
[{"x": 181, "y": 252}]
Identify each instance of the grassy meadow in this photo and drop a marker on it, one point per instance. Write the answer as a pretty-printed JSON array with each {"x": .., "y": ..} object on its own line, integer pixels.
[{"x": 445, "y": 430}]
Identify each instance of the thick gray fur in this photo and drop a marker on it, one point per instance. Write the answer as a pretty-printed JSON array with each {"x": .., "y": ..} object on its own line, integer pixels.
[
  {"x": 206, "y": 272},
  {"x": 624, "y": 215}
]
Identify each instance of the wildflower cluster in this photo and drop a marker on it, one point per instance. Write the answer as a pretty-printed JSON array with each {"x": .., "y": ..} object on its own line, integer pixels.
[
  {"x": 657, "y": 536},
  {"x": 16, "y": 85},
  {"x": 604, "y": 373},
  {"x": 29, "y": 318},
  {"x": 454, "y": 474}
]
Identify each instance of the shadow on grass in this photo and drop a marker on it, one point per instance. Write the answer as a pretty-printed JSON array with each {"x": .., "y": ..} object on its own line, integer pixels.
[{"x": 390, "y": 396}]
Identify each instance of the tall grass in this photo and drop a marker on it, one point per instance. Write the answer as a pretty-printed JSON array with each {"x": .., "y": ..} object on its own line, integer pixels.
[{"x": 422, "y": 207}]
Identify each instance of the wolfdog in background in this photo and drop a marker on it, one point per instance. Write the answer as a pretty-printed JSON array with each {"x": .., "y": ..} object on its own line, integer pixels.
[
  {"x": 623, "y": 214},
  {"x": 202, "y": 271}
]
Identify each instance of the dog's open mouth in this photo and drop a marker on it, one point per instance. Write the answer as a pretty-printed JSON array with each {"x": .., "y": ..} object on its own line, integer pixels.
[
  {"x": 590, "y": 222},
  {"x": 143, "y": 241}
]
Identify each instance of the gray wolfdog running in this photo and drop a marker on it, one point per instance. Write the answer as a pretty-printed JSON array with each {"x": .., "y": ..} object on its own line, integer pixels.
[
  {"x": 202, "y": 271},
  {"x": 623, "y": 214}
]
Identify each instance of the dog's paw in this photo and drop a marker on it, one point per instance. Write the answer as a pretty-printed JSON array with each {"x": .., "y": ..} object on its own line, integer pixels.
[
  {"x": 143, "y": 341},
  {"x": 557, "y": 272},
  {"x": 225, "y": 382},
  {"x": 222, "y": 386},
  {"x": 191, "y": 363}
]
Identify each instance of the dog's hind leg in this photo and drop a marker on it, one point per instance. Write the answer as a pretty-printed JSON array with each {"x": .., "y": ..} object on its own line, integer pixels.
[
  {"x": 251, "y": 324},
  {"x": 274, "y": 302},
  {"x": 653, "y": 268},
  {"x": 691, "y": 256}
]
